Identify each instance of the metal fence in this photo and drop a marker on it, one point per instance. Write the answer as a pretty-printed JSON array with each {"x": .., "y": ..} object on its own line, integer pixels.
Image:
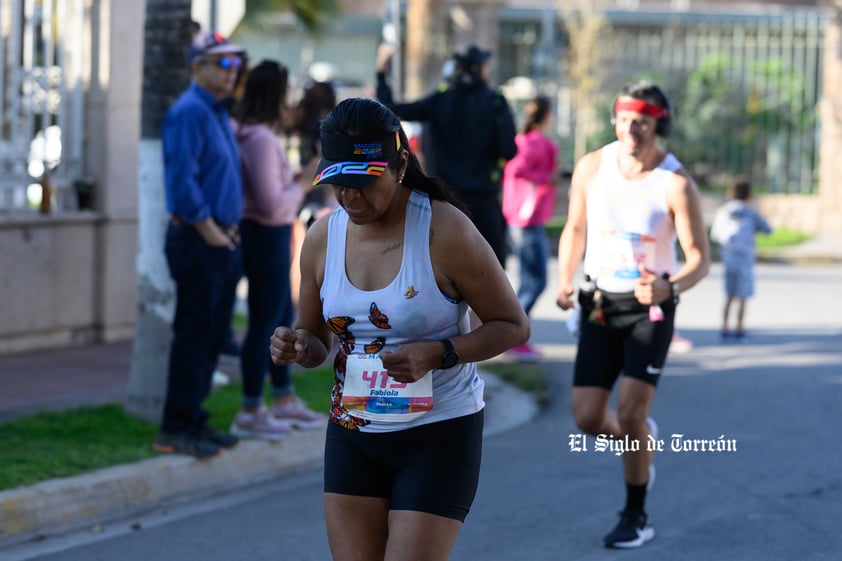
[
  {"x": 745, "y": 86},
  {"x": 41, "y": 96}
]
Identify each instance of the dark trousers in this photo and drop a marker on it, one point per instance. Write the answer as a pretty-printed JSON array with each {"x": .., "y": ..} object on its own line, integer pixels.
[
  {"x": 266, "y": 263},
  {"x": 530, "y": 246},
  {"x": 487, "y": 216},
  {"x": 206, "y": 281}
]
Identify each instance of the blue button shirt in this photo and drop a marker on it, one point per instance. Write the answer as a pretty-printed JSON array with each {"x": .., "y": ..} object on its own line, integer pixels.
[{"x": 202, "y": 176}]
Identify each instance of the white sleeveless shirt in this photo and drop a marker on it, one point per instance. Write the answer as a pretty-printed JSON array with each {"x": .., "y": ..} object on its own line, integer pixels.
[
  {"x": 629, "y": 223},
  {"x": 411, "y": 308}
]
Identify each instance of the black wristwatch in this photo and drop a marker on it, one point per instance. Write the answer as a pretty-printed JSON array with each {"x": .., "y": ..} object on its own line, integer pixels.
[
  {"x": 675, "y": 288},
  {"x": 449, "y": 357}
]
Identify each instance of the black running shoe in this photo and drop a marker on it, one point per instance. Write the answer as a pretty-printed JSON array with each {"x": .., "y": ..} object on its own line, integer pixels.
[
  {"x": 186, "y": 443},
  {"x": 221, "y": 439},
  {"x": 633, "y": 530}
]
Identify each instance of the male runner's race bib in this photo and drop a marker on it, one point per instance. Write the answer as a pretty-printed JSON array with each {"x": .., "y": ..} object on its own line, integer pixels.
[
  {"x": 370, "y": 393},
  {"x": 622, "y": 252}
]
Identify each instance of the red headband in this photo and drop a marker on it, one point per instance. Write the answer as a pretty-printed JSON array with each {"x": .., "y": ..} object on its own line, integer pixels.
[{"x": 640, "y": 106}]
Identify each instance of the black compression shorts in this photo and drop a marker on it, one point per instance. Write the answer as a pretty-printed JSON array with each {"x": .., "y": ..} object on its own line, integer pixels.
[
  {"x": 638, "y": 350},
  {"x": 432, "y": 468}
]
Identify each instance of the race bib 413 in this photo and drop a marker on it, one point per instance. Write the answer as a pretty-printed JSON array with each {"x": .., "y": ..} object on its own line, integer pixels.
[{"x": 370, "y": 393}]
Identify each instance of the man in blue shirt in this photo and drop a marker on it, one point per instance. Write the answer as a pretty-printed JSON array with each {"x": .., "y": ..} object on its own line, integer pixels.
[{"x": 205, "y": 199}]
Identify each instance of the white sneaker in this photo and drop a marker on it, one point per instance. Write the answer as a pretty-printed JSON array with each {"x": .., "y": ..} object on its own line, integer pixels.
[
  {"x": 261, "y": 425},
  {"x": 653, "y": 430},
  {"x": 298, "y": 415},
  {"x": 220, "y": 379}
]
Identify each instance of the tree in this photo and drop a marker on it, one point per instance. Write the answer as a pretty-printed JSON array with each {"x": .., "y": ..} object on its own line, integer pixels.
[
  {"x": 712, "y": 132},
  {"x": 427, "y": 46},
  {"x": 166, "y": 73},
  {"x": 588, "y": 32},
  {"x": 735, "y": 117},
  {"x": 311, "y": 13}
]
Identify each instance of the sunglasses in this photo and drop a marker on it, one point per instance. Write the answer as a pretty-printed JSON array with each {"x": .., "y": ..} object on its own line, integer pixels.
[{"x": 226, "y": 63}]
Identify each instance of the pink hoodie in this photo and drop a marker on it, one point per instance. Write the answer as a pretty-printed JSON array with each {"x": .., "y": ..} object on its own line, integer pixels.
[
  {"x": 272, "y": 195},
  {"x": 528, "y": 192}
]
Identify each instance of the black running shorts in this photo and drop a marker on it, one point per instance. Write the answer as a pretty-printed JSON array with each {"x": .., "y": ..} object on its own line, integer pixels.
[
  {"x": 432, "y": 468},
  {"x": 638, "y": 350}
]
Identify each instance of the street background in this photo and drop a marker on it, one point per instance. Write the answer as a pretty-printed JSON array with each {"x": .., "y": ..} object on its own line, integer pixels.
[{"x": 776, "y": 498}]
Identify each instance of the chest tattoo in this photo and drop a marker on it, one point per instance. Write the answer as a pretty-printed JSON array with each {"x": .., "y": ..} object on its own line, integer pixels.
[{"x": 392, "y": 247}]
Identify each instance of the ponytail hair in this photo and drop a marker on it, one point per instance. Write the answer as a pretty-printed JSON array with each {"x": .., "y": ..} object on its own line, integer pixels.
[{"x": 535, "y": 112}]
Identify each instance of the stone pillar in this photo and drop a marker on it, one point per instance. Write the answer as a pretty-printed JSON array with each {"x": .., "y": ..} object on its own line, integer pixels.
[
  {"x": 830, "y": 114},
  {"x": 5, "y": 21},
  {"x": 113, "y": 117}
]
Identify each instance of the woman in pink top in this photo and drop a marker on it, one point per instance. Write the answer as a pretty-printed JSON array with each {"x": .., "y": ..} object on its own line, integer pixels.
[
  {"x": 529, "y": 193},
  {"x": 272, "y": 200}
]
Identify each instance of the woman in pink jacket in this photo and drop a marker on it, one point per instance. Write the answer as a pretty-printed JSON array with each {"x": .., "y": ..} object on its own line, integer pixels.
[
  {"x": 272, "y": 199},
  {"x": 529, "y": 194}
]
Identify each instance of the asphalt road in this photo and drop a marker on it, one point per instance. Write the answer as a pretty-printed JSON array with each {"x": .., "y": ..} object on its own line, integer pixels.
[{"x": 777, "y": 496}]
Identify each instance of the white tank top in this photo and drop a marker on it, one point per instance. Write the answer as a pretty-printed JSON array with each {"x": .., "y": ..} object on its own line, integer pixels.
[
  {"x": 629, "y": 223},
  {"x": 411, "y": 308}
]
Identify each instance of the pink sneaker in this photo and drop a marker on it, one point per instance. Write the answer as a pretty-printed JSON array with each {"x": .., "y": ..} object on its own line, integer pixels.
[
  {"x": 680, "y": 345},
  {"x": 260, "y": 425},
  {"x": 524, "y": 353},
  {"x": 298, "y": 415}
]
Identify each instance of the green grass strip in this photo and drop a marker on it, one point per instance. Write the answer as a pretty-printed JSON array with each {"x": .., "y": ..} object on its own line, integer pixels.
[
  {"x": 57, "y": 444},
  {"x": 63, "y": 444},
  {"x": 781, "y": 237}
]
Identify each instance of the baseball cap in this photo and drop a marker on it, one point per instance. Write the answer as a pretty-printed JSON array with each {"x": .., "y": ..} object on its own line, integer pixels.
[
  {"x": 473, "y": 56},
  {"x": 355, "y": 161},
  {"x": 211, "y": 43}
]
